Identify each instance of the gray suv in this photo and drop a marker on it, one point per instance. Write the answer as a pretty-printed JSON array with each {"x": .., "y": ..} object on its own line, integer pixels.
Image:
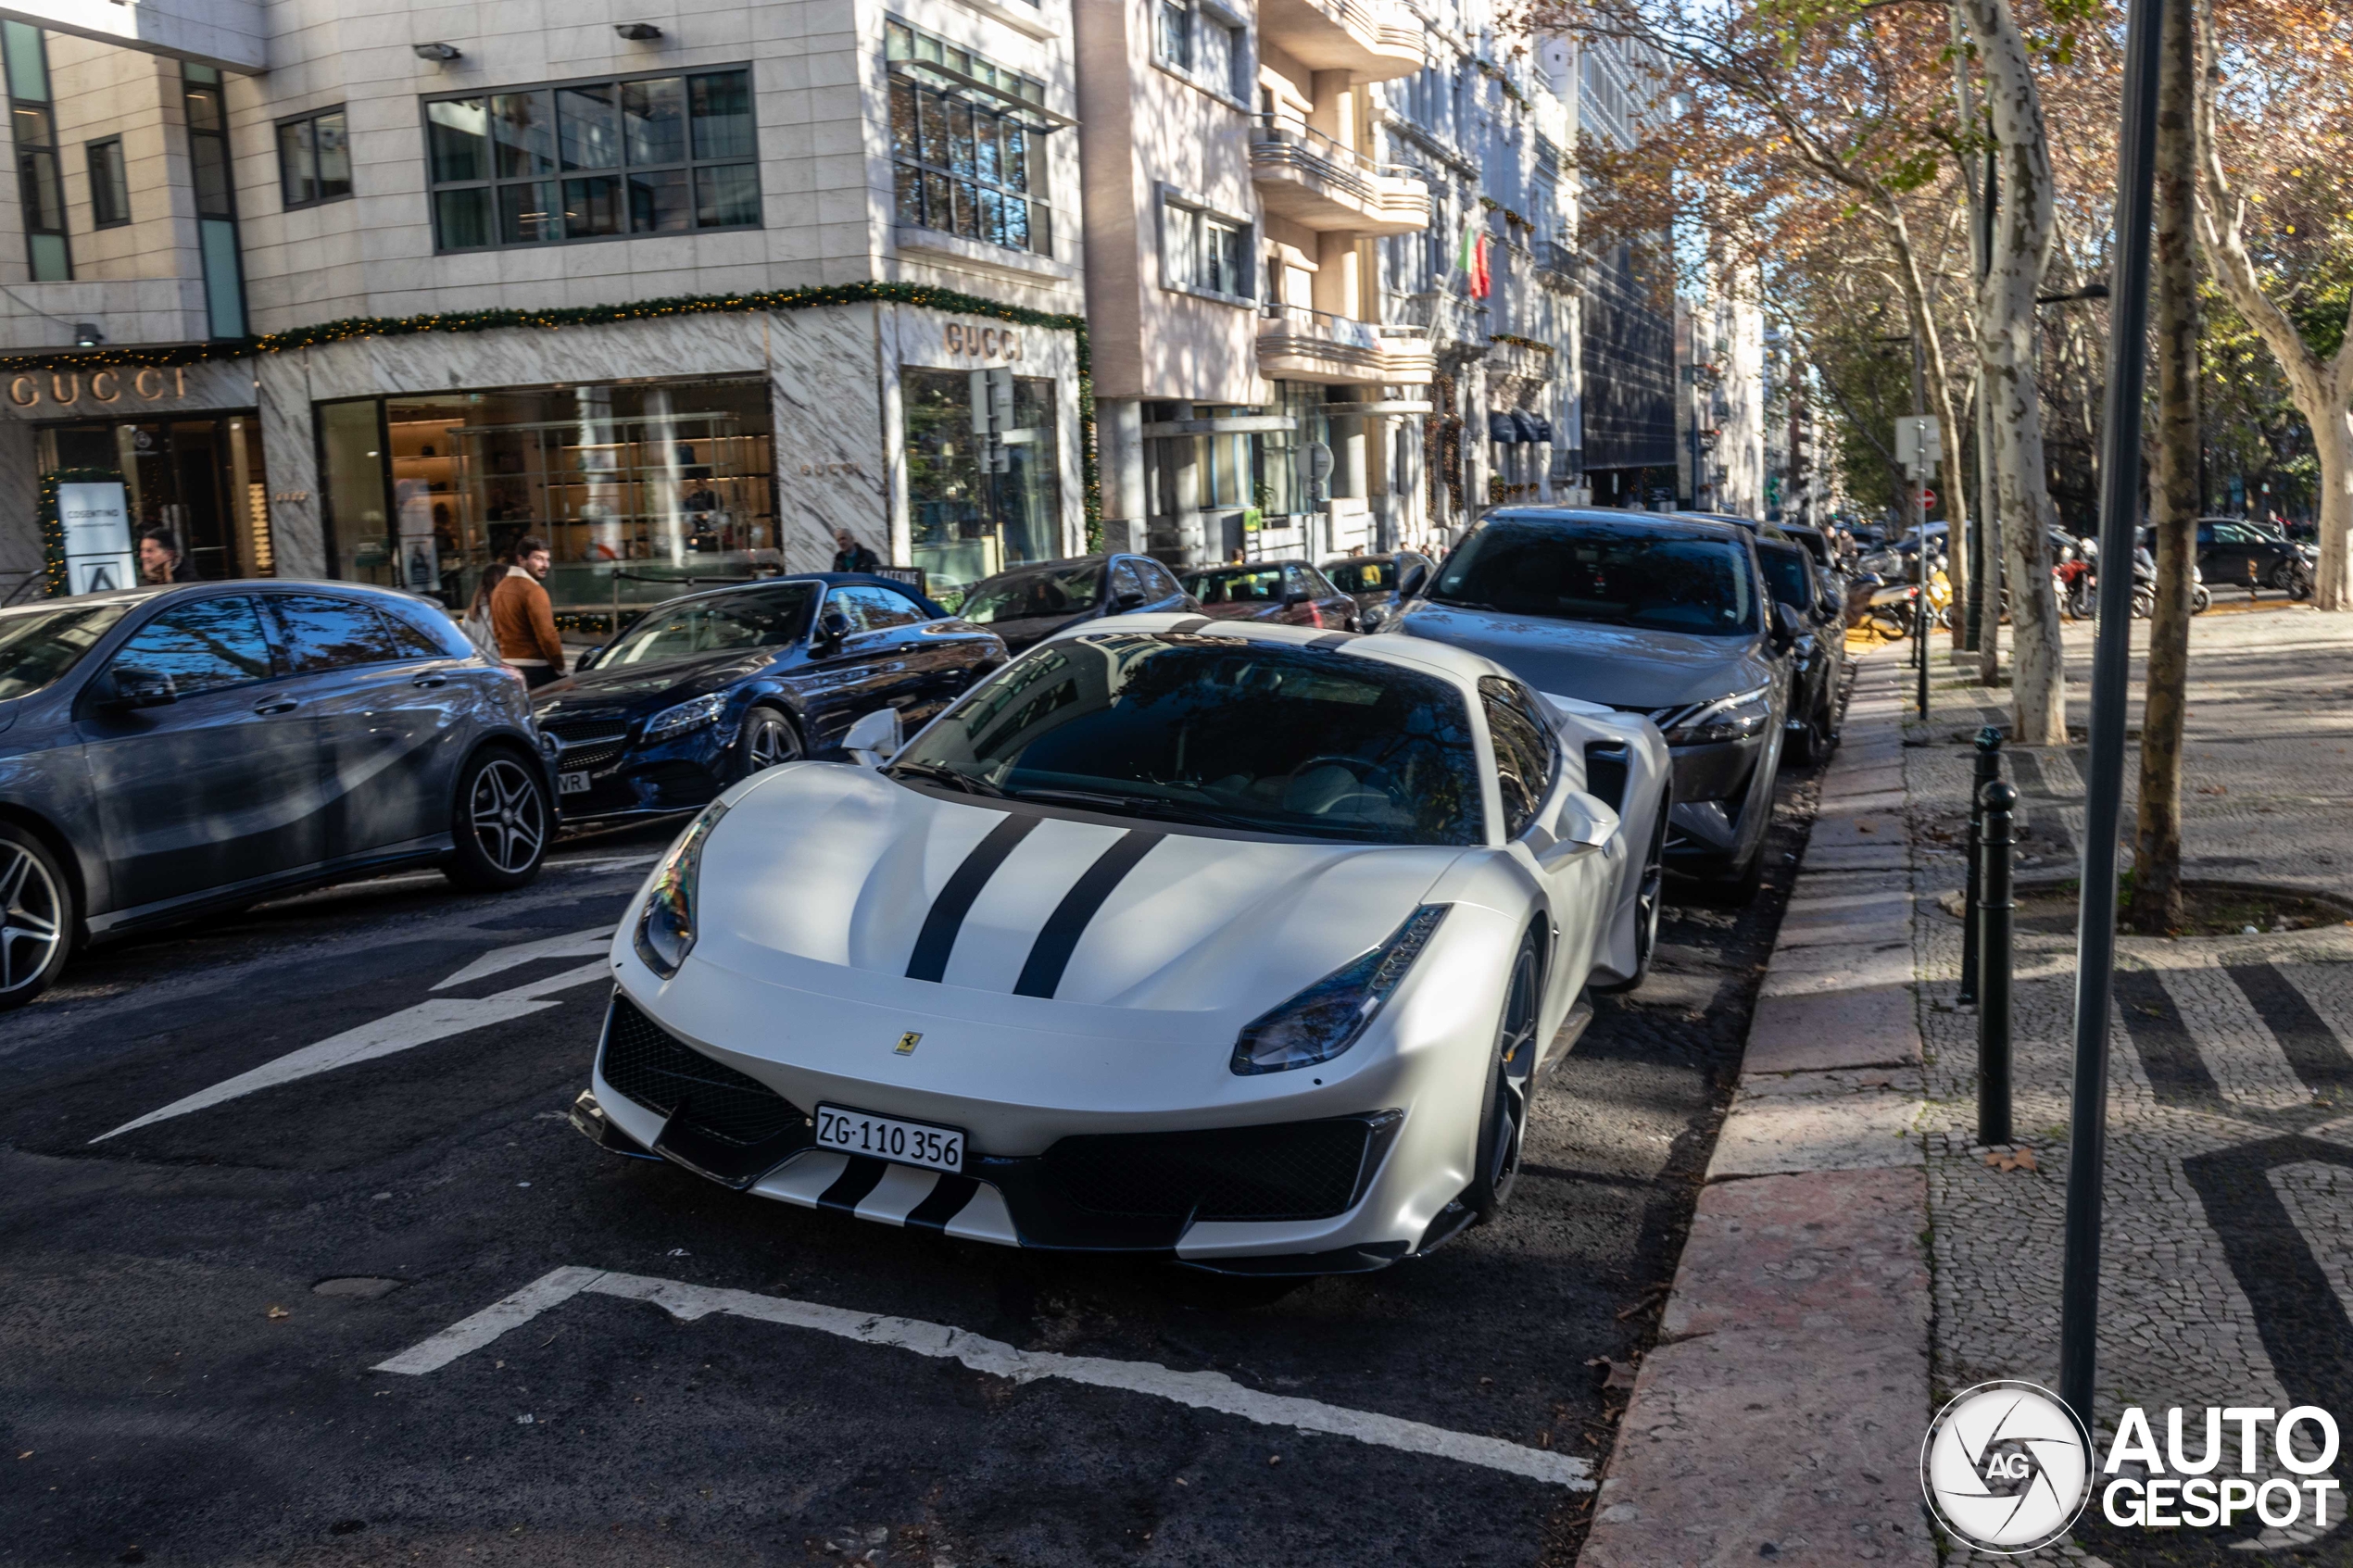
[
  {"x": 1663, "y": 616},
  {"x": 168, "y": 752}
]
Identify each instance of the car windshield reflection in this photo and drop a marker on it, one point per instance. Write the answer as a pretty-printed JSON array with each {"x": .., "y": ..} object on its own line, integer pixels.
[
  {"x": 38, "y": 646},
  {"x": 1599, "y": 572},
  {"x": 751, "y": 618},
  {"x": 1030, "y": 595},
  {"x": 1299, "y": 742}
]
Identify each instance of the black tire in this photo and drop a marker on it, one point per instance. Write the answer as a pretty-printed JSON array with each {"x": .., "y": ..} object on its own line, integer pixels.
[
  {"x": 2201, "y": 598},
  {"x": 501, "y": 821},
  {"x": 2144, "y": 603},
  {"x": 1648, "y": 899},
  {"x": 1502, "y": 1110},
  {"x": 766, "y": 739},
  {"x": 37, "y": 917}
]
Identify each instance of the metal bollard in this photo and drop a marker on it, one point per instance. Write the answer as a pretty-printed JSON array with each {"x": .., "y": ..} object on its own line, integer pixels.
[
  {"x": 1995, "y": 911},
  {"x": 1989, "y": 768}
]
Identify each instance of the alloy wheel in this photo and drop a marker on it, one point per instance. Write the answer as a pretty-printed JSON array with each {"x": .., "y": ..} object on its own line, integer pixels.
[
  {"x": 1515, "y": 1069},
  {"x": 772, "y": 742},
  {"x": 509, "y": 818},
  {"x": 31, "y": 916}
]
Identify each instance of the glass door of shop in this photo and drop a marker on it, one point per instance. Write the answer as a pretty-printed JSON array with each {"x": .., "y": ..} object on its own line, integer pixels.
[
  {"x": 983, "y": 487},
  {"x": 202, "y": 479}
]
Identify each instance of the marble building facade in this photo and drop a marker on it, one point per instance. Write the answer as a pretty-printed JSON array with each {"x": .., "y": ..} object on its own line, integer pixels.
[{"x": 396, "y": 160}]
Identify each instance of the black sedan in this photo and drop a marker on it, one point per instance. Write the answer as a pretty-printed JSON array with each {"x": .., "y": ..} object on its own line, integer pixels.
[
  {"x": 169, "y": 752},
  {"x": 2238, "y": 554},
  {"x": 1380, "y": 583},
  {"x": 705, "y": 689},
  {"x": 1819, "y": 657},
  {"x": 1031, "y": 603},
  {"x": 1663, "y": 616}
]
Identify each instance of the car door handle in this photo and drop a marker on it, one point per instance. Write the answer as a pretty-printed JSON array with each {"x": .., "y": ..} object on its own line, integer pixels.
[
  {"x": 288, "y": 706},
  {"x": 430, "y": 680}
]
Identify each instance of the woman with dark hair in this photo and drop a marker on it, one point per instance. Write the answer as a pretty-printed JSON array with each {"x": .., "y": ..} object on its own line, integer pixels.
[
  {"x": 523, "y": 617},
  {"x": 477, "y": 624}
]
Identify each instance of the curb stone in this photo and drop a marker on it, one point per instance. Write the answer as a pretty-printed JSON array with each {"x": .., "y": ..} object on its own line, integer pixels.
[{"x": 1779, "y": 1417}]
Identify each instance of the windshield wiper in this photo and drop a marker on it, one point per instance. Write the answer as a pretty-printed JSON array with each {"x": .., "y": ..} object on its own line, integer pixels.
[{"x": 939, "y": 772}]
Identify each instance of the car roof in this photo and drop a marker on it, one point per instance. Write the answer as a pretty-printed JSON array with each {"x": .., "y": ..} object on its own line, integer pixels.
[
  {"x": 1690, "y": 525},
  {"x": 1206, "y": 568},
  {"x": 1436, "y": 657}
]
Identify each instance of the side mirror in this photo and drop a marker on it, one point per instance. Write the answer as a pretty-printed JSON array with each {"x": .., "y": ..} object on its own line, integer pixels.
[
  {"x": 1583, "y": 824},
  {"x": 874, "y": 739},
  {"x": 587, "y": 659},
  {"x": 1126, "y": 600},
  {"x": 131, "y": 685},
  {"x": 1415, "y": 579},
  {"x": 1296, "y": 597},
  {"x": 832, "y": 627},
  {"x": 1787, "y": 627}
]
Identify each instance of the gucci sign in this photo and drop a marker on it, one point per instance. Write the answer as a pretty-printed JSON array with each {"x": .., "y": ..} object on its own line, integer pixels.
[
  {"x": 972, "y": 340},
  {"x": 65, "y": 388}
]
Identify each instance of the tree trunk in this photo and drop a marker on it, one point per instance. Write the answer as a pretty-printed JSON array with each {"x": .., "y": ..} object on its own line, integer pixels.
[
  {"x": 1989, "y": 632},
  {"x": 2321, "y": 389},
  {"x": 2008, "y": 346},
  {"x": 2173, "y": 495}
]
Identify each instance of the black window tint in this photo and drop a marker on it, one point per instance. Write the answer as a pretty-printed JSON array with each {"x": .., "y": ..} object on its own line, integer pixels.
[
  {"x": 1785, "y": 574},
  {"x": 323, "y": 633},
  {"x": 1125, "y": 579},
  {"x": 1523, "y": 751},
  {"x": 1160, "y": 580},
  {"x": 412, "y": 641},
  {"x": 873, "y": 609},
  {"x": 204, "y": 646}
]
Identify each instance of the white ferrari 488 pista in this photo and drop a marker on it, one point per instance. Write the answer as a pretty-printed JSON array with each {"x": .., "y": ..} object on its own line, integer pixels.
[{"x": 1243, "y": 944}]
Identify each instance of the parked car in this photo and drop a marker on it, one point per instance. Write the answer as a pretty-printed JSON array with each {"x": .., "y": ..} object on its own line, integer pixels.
[
  {"x": 1380, "y": 583},
  {"x": 2242, "y": 555},
  {"x": 1663, "y": 616},
  {"x": 703, "y": 690},
  {"x": 1031, "y": 603},
  {"x": 1819, "y": 657},
  {"x": 1246, "y": 951},
  {"x": 169, "y": 752},
  {"x": 1288, "y": 591}
]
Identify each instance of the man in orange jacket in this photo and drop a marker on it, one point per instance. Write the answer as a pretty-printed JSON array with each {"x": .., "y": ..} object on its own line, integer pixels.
[{"x": 524, "y": 619}]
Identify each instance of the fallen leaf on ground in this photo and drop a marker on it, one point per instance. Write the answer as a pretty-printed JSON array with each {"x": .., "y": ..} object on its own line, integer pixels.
[
  {"x": 2005, "y": 1161},
  {"x": 274, "y": 1313},
  {"x": 1621, "y": 1376},
  {"x": 1865, "y": 827}
]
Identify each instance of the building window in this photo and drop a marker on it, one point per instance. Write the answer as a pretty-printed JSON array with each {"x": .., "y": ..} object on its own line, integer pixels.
[
  {"x": 109, "y": 187},
  {"x": 968, "y": 155},
  {"x": 984, "y": 473},
  {"x": 224, "y": 277},
  {"x": 314, "y": 158},
  {"x": 1204, "y": 252},
  {"x": 1207, "y": 47},
  {"x": 593, "y": 160},
  {"x": 41, "y": 195}
]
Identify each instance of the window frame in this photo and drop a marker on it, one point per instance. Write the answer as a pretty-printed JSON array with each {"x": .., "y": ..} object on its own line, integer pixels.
[
  {"x": 686, "y": 164},
  {"x": 309, "y": 121},
  {"x": 1495, "y": 692},
  {"x": 1201, "y": 215},
  {"x": 1241, "y": 54},
  {"x": 1008, "y": 98},
  {"x": 265, "y": 622},
  {"x": 119, "y": 184}
]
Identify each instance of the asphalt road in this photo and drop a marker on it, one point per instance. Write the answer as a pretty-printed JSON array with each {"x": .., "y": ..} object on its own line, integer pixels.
[{"x": 191, "y": 1308}]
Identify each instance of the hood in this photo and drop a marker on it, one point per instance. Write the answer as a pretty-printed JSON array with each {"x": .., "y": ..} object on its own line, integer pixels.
[
  {"x": 1031, "y": 630},
  {"x": 830, "y": 879},
  {"x": 1620, "y": 666},
  {"x": 604, "y": 691}
]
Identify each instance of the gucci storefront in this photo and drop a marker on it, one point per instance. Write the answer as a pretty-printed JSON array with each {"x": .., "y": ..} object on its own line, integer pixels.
[{"x": 939, "y": 441}]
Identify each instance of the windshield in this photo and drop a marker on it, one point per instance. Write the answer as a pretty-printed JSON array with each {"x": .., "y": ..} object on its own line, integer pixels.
[
  {"x": 1785, "y": 575},
  {"x": 38, "y": 646},
  {"x": 1024, "y": 595},
  {"x": 755, "y": 617},
  {"x": 1601, "y": 573},
  {"x": 1238, "y": 585},
  {"x": 1362, "y": 576},
  {"x": 1296, "y": 741}
]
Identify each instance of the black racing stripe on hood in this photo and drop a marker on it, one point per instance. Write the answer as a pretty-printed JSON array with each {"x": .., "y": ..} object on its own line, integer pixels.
[
  {"x": 943, "y": 1203},
  {"x": 938, "y": 939},
  {"x": 1059, "y": 938}
]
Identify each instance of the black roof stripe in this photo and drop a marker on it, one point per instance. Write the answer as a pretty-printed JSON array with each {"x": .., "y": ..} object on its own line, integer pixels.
[
  {"x": 1195, "y": 624},
  {"x": 937, "y": 939},
  {"x": 1332, "y": 640},
  {"x": 1050, "y": 955}
]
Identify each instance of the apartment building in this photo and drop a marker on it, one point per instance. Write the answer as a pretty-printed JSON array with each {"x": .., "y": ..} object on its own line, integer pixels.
[
  {"x": 1719, "y": 339},
  {"x": 768, "y": 269}
]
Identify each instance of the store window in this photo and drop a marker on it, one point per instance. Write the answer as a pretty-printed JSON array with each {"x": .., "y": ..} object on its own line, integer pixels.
[
  {"x": 314, "y": 158},
  {"x": 967, "y": 147},
  {"x": 984, "y": 473},
  {"x": 594, "y": 161},
  {"x": 640, "y": 490},
  {"x": 201, "y": 478}
]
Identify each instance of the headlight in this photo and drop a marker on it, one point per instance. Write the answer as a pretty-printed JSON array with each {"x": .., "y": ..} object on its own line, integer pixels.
[
  {"x": 684, "y": 717},
  {"x": 666, "y": 925},
  {"x": 1733, "y": 718},
  {"x": 1327, "y": 1018}
]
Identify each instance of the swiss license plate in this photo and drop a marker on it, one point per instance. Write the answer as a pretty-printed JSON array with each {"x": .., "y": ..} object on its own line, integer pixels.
[
  {"x": 887, "y": 1138},
  {"x": 572, "y": 783}
]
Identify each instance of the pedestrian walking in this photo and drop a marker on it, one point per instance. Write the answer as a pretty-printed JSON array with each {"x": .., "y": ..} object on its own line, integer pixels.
[
  {"x": 523, "y": 617},
  {"x": 853, "y": 556}
]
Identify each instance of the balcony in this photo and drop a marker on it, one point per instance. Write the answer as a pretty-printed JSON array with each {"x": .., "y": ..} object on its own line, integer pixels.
[
  {"x": 1305, "y": 176},
  {"x": 1555, "y": 264},
  {"x": 1297, "y": 343},
  {"x": 1370, "y": 38},
  {"x": 1442, "y": 316}
]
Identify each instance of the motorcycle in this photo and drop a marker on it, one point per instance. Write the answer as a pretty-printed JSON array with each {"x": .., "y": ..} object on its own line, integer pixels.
[{"x": 1890, "y": 610}]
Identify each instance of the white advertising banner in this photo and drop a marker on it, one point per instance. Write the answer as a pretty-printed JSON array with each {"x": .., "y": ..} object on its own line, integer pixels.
[{"x": 97, "y": 529}]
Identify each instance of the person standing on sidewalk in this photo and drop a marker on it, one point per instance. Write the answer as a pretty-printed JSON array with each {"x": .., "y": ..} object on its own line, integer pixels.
[
  {"x": 525, "y": 620},
  {"x": 853, "y": 556}
]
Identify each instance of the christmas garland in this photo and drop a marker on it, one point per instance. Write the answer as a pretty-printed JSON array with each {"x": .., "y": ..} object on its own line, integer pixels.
[
  {"x": 351, "y": 327},
  {"x": 52, "y": 527}
]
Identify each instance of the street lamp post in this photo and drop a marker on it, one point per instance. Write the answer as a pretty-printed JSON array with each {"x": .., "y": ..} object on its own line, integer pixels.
[{"x": 2103, "y": 800}]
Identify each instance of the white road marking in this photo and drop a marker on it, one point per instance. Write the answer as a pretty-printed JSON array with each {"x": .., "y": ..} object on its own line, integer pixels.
[
  {"x": 1202, "y": 1390},
  {"x": 437, "y": 1018},
  {"x": 619, "y": 863}
]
